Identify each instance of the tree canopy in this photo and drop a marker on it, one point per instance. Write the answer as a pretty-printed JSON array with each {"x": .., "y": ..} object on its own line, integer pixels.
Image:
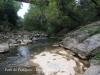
[
  {"x": 51, "y": 16},
  {"x": 55, "y": 15},
  {"x": 8, "y": 14}
]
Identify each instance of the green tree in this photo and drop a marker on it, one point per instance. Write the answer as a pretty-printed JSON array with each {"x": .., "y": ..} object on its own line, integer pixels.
[
  {"x": 55, "y": 15},
  {"x": 8, "y": 14}
]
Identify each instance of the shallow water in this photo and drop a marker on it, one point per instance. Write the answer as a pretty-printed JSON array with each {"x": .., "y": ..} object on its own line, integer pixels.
[
  {"x": 59, "y": 61},
  {"x": 16, "y": 62}
]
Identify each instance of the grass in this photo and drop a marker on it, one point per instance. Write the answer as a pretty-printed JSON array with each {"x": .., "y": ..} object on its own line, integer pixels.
[
  {"x": 92, "y": 32},
  {"x": 9, "y": 42},
  {"x": 20, "y": 38},
  {"x": 60, "y": 38},
  {"x": 85, "y": 27},
  {"x": 97, "y": 56}
]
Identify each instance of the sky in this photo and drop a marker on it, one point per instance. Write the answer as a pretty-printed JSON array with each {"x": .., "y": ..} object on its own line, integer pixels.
[{"x": 23, "y": 10}]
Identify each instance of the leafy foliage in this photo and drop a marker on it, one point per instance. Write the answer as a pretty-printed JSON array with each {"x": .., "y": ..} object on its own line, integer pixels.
[
  {"x": 8, "y": 14},
  {"x": 97, "y": 56},
  {"x": 92, "y": 32},
  {"x": 54, "y": 15},
  {"x": 86, "y": 27}
]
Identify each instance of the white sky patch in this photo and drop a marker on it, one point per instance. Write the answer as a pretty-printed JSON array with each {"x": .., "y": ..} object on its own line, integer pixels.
[
  {"x": 77, "y": 1},
  {"x": 23, "y": 10}
]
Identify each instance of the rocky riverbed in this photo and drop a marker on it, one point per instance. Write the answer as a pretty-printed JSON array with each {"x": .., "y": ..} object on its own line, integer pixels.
[
  {"x": 10, "y": 40},
  {"x": 84, "y": 42},
  {"x": 42, "y": 57}
]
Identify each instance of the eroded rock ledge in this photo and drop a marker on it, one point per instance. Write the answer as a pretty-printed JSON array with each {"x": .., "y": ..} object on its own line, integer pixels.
[{"x": 84, "y": 42}]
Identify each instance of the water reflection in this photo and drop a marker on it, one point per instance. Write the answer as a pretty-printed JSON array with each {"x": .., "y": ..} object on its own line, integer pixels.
[
  {"x": 23, "y": 51},
  {"x": 21, "y": 55}
]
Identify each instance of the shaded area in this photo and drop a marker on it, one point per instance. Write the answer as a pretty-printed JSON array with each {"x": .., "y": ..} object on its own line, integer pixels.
[{"x": 26, "y": 1}]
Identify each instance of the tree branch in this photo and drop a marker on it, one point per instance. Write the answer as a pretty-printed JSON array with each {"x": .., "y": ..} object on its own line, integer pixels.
[{"x": 94, "y": 2}]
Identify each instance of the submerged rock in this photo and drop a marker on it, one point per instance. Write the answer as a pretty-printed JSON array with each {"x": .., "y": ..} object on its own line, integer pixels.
[{"x": 34, "y": 39}]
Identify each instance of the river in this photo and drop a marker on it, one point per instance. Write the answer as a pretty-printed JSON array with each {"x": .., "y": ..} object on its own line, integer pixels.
[{"x": 21, "y": 60}]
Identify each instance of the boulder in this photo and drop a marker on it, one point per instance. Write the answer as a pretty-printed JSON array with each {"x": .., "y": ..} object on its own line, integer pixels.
[
  {"x": 81, "y": 42},
  {"x": 94, "y": 62},
  {"x": 4, "y": 47},
  {"x": 35, "y": 39},
  {"x": 92, "y": 70},
  {"x": 25, "y": 41},
  {"x": 88, "y": 47},
  {"x": 12, "y": 43}
]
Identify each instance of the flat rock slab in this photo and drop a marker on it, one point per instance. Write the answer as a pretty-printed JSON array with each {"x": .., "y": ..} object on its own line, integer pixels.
[{"x": 59, "y": 62}]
